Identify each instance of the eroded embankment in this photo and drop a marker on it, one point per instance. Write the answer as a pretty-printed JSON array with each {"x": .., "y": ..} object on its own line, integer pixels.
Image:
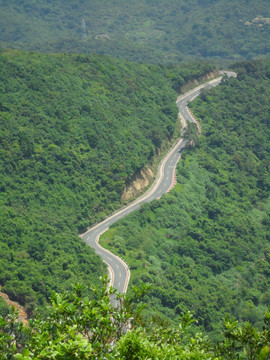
[
  {"x": 17, "y": 306},
  {"x": 142, "y": 179}
]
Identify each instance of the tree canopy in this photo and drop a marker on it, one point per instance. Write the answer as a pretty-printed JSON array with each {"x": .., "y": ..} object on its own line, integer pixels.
[
  {"x": 205, "y": 246},
  {"x": 80, "y": 328},
  {"x": 74, "y": 130},
  {"x": 163, "y": 31}
]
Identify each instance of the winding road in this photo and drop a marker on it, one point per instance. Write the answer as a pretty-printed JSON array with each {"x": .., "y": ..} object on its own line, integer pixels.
[{"x": 165, "y": 179}]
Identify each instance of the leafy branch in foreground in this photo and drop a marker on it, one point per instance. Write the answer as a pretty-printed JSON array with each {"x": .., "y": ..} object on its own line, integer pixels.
[{"x": 79, "y": 328}]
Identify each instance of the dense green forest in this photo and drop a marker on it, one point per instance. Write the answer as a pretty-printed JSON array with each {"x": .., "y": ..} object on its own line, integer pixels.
[
  {"x": 160, "y": 31},
  {"x": 79, "y": 328},
  {"x": 205, "y": 246},
  {"x": 74, "y": 129}
]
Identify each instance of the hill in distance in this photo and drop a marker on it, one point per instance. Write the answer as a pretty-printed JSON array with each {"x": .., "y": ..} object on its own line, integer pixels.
[{"x": 160, "y": 31}]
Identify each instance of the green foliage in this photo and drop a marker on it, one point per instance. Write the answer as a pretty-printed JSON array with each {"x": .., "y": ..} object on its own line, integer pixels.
[
  {"x": 4, "y": 308},
  {"x": 246, "y": 340},
  {"x": 164, "y": 31},
  {"x": 191, "y": 133},
  {"x": 12, "y": 335},
  {"x": 184, "y": 73},
  {"x": 79, "y": 328},
  {"x": 75, "y": 328},
  {"x": 205, "y": 246},
  {"x": 74, "y": 130}
]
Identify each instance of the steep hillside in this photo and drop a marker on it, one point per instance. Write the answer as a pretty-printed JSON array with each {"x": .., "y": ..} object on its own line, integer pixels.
[
  {"x": 74, "y": 130},
  {"x": 163, "y": 31},
  {"x": 205, "y": 246}
]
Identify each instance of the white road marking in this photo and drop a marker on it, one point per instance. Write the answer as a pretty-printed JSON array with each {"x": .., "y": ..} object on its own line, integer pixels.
[{"x": 168, "y": 162}]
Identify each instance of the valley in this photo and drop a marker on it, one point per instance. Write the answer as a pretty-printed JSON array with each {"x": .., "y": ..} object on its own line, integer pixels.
[{"x": 134, "y": 180}]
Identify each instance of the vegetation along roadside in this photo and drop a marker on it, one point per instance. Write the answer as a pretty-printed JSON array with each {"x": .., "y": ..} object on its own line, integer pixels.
[
  {"x": 74, "y": 131},
  {"x": 205, "y": 246}
]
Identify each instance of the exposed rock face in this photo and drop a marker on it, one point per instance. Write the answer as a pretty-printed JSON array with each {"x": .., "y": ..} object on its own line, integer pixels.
[
  {"x": 103, "y": 37},
  {"x": 258, "y": 21},
  {"x": 17, "y": 306},
  {"x": 143, "y": 178},
  {"x": 194, "y": 83},
  {"x": 140, "y": 181}
]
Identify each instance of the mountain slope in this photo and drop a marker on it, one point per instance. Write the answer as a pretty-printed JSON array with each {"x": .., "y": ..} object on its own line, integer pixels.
[
  {"x": 205, "y": 246},
  {"x": 74, "y": 130},
  {"x": 146, "y": 31}
]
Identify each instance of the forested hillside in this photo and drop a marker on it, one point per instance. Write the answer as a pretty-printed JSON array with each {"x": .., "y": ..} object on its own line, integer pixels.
[
  {"x": 205, "y": 246},
  {"x": 79, "y": 328},
  {"x": 74, "y": 130},
  {"x": 160, "y": 31}
]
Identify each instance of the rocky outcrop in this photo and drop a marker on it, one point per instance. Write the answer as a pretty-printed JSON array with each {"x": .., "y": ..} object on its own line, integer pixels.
[
  {"x": 143, "y": 178},
  {"x": 22, "y": 316},
  {"x": 191, "y": 84},
  {"x": 139, "y": 182}
]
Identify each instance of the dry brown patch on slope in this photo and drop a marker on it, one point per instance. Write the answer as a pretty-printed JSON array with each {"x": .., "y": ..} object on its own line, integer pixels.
[
  {"x": 139, "y": 182},
  {"x": 17, "y": 306}
]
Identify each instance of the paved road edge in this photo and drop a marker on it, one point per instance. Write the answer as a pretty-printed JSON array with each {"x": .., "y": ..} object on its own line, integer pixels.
[{"x": 153, "y": 187}]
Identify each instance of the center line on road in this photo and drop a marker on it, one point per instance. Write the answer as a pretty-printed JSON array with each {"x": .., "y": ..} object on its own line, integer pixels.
[{"x": 168, "y": 163}]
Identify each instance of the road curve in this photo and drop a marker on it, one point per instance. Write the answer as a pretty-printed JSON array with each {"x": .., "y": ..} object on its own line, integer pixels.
[{"x": 119, "y": 271}]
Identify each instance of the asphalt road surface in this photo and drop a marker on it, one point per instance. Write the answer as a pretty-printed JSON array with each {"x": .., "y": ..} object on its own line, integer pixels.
[{"x": 165, "y": 179}]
